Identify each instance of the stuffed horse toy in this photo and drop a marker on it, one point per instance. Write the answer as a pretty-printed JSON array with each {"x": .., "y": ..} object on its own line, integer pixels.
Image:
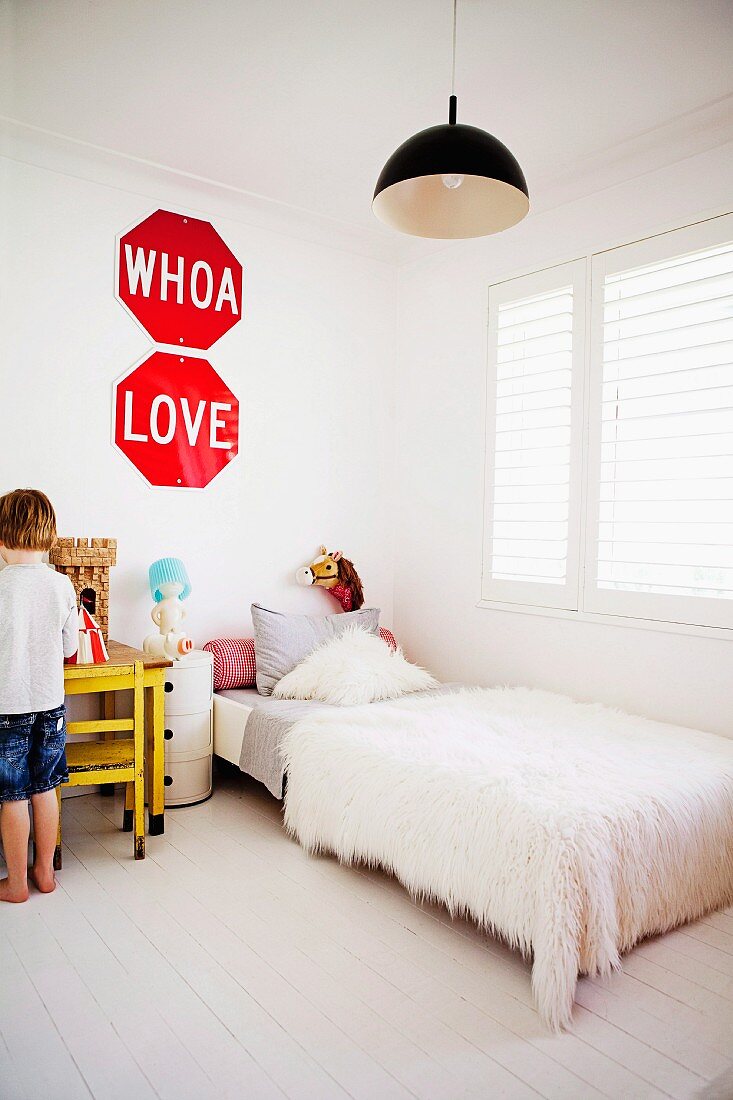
[{"x": 337, "y": 575}]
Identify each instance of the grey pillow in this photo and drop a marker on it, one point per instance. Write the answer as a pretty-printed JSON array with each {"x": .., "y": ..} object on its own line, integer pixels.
[{"x": 282, "y": 641}]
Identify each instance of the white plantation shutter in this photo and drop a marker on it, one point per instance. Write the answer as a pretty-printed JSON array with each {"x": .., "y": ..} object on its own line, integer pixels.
[
  {"x": 536, "y": 328},
  {"x": 660, "y": 519}
]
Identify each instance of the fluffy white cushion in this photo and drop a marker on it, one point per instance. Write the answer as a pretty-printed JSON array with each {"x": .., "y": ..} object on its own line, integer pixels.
[{"x": 353, "y": 668}]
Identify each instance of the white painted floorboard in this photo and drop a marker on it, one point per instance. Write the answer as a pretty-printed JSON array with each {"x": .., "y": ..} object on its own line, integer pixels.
[{"x": 230, "y": 963}]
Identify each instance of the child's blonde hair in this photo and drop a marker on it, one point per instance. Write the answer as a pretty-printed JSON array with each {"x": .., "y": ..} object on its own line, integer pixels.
[{"x": 27, "y": 520}]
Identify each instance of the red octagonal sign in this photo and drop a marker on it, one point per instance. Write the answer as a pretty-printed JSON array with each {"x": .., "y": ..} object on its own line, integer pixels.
[
  {"x": 179, "y": 280},
  {"x": 175, "y": 420}
]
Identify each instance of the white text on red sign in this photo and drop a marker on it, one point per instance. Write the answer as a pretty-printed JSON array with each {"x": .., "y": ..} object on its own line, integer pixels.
[
  {"x": 192, "y": 422},
  {"x": 141, "y": 271}
]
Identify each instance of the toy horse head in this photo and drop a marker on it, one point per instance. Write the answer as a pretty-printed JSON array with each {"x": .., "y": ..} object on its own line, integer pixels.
[{"x": 337, "y": 574}]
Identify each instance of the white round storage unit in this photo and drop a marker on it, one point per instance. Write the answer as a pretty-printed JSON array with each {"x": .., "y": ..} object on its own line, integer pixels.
[{"x": 189, "y": 693}]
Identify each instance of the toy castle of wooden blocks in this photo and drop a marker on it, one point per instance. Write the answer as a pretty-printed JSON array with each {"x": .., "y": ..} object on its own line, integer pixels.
[{"x": 87, "y": 567}]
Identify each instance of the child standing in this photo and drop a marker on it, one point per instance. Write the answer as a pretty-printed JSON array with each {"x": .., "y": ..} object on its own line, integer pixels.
[{"x": 38, "y": 628}]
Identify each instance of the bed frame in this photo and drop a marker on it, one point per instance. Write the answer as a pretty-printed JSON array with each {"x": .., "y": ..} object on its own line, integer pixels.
[{"x": 230, "y": 719}]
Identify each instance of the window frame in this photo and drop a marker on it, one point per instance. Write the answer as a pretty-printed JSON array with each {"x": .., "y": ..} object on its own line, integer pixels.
[
  {"x": 562, "y": 596},
  {"x": 696, "y": 615},
  {"x": 662, "y": 607}
]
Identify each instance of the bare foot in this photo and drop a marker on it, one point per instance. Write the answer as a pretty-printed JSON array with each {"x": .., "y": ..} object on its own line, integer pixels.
[
  {"x": 45, "y": 881},
  {"x": 14, "y": 894}
]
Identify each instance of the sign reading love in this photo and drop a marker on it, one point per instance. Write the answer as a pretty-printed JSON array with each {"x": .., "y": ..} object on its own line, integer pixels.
[{"x": 175, "y": 420}]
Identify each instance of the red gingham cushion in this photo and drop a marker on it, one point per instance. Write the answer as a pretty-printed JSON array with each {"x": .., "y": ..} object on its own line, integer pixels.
[{"x": 234, "y": 662}]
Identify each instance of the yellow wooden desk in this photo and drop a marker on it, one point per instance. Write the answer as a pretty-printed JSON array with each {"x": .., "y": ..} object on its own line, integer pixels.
[{"x": 86, "y": 680}]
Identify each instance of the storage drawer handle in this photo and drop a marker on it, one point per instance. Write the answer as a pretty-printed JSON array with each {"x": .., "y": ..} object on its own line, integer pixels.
[
  {"x": 168, "y": 686},
  {"x": 168, "y": 780},
  {"x": 168, "y": 734}
]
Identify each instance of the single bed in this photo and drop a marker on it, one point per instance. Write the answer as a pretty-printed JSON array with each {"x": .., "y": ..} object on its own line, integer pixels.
[{"x": 570, "y": 830}]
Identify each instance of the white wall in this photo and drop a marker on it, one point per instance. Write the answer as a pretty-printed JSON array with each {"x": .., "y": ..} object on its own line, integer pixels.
[
  {"x": 311, "y": 362},
  {"x": 440, "y": 434}
]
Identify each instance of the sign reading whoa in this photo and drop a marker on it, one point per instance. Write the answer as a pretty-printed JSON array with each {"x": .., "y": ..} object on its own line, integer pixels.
[{"x": 179, "y": 280}]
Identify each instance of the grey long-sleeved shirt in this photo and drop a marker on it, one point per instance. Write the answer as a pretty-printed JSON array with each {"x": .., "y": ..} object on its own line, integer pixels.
[{"x": 38, "y": 628}]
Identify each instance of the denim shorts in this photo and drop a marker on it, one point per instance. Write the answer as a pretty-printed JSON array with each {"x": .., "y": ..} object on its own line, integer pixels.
[{"x": 32, "y": 753}]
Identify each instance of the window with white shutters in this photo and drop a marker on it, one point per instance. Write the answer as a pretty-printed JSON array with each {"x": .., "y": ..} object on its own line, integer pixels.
[
  {"x": 661, "y": 453},
  {"x": 534, "y": 411},
  {"x": 609, "y": 456}
]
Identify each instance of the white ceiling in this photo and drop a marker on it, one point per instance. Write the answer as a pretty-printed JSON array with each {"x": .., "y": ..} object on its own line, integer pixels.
[{"x": 301, "y": 101}]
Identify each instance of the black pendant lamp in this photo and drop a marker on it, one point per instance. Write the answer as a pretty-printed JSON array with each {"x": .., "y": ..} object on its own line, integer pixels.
[{"x": 450, "y": 182}]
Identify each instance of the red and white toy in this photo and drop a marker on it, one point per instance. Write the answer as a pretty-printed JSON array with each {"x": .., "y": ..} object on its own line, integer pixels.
[{"x": 92, "y": 650}]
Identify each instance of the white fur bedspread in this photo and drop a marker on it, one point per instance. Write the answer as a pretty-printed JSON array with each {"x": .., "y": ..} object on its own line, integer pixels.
[{"x": 570, "y": 830}]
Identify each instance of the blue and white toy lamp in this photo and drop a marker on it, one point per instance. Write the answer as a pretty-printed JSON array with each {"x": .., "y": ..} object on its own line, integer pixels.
[{"x": 169, "y": 587}]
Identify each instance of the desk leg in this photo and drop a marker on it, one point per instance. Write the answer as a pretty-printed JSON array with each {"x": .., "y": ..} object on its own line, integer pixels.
[
  {"x": 57, "y": 858},
  {"x": 128, "y": 814},
  {"x": 154, "y": 730},
  {"x": 108, "y": 711}
]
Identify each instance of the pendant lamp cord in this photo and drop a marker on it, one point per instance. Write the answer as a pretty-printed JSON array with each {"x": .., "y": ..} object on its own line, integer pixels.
[
  {"x": 453, "y": 101},
  {"x": 453, "y": 69}
]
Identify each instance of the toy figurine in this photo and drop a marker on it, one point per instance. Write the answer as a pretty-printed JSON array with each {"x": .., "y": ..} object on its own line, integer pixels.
[
  {"x": 169, "y": 587},
  {"x": 337, "y": 575}
]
